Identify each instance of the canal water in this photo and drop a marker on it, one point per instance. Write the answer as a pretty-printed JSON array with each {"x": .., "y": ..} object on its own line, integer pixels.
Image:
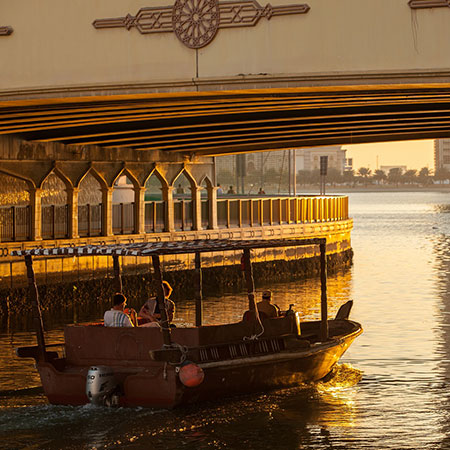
[{"x": 391, "y": 390}]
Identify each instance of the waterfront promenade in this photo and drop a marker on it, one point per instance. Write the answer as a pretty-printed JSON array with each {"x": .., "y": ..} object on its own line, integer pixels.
[{"x": 234, "y": 218}]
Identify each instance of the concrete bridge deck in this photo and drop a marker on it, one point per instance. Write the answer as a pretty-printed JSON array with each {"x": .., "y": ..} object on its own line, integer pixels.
[{"x": 241, "y": 76}]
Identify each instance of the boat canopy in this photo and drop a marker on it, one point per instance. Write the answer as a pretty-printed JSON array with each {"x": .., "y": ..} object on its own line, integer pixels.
[
  {"x": 157, "y": 249},
  {"x": 168, "y": 248}
]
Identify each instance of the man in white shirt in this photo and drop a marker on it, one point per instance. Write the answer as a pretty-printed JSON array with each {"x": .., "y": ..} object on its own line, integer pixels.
[{"x": 115, "y": 317}]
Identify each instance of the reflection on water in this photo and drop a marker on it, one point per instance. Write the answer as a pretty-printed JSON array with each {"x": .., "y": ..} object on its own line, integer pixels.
[{"x": 391, "y": 390}]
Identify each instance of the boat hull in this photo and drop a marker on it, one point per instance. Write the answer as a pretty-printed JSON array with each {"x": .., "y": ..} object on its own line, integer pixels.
[{"x": 158, "y": 385}]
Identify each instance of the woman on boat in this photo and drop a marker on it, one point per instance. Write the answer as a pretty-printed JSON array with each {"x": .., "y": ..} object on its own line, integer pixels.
[
  {"x": 116, "y": 317},
  {"x": 150, "y": 309}
]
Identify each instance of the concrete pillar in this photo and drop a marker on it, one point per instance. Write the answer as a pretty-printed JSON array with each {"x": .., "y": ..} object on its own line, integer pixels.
[
  {"x": 196, "y": 207},
  {"x": 107, "y": 224},
  {"x": 36, "y": 214},
  {"x": 72, "y": 200},
  {"x": 139, "y": 210},
  {"x": 212, "y": 197},
  {"x": 169, "y": 219}
]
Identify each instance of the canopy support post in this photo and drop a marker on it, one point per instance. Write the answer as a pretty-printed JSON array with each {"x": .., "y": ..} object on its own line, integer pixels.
[
  {"x": 249, "y": 280},
  {"x": 161, "y": 301},
  {"x": 33, "y": 295},
  {"x": 117, "y": 276},
  {"x": 323, "y": 289},
  {"x": 198, "y": 292}
]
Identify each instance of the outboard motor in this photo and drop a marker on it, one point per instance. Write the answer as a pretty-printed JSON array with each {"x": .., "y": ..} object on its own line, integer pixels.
[{"x": 102, "y": 388}]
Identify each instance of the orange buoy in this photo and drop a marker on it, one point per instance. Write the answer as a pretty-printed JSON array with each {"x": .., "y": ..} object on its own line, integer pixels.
[{"x": 191, "y": 375}]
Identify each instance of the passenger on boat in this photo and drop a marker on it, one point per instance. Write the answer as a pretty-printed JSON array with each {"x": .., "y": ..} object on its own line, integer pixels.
[
  {"x": 266, "y": 307},
  {"x": 150, "y": 309},
  {"x": 116, "y": 317}
]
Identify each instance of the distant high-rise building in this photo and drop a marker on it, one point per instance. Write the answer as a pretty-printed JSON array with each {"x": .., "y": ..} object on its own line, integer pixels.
[{"x": 441, "y": 154}]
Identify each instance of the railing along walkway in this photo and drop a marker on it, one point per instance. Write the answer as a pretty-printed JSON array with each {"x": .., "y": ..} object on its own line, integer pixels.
[{"x": 16, "y": 221}]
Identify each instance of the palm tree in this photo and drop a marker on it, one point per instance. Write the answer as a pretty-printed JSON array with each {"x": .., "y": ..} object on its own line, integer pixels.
[
  {"x": 395, "y": 175},
  {"x": 410, "y": 176},
  {"x": 364, "y": 172},
  {"x": 424, "y": 175},
  {"x": 379, "y": 176}
]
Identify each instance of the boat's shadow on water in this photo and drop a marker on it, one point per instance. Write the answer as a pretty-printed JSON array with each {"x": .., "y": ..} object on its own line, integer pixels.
[{"x": 300, "y": 417}]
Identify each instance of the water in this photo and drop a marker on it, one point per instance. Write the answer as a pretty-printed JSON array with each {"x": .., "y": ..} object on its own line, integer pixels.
[{"x": 391, "y": 391}]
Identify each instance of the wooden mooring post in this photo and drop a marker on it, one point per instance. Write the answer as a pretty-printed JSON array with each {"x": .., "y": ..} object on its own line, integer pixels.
[
  {"x": 161, "y": 301},
  {"x": 37, "y": 315},
  {"x": 323, "y": 290}
]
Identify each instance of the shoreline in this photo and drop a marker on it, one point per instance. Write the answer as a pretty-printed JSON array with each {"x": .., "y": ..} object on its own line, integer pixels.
[{"x": 347, "y": 189}]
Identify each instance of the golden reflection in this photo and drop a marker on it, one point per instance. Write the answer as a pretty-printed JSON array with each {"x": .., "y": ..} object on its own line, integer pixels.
[
  {"x": 303, "y": 294},
  {"x": 338, "y": 396}
]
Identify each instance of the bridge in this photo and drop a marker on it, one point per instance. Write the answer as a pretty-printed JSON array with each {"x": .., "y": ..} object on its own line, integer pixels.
[
  {"x": 92, "y": 93},
  {"x": 198, "y": 77}
]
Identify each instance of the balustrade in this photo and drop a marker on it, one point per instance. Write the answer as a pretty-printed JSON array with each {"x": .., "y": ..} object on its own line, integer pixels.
[
  {"x": 55, "y": 221},
  {"x": 15, "y": 221},
  {"x": 90, "y": 220},
  {"x": 123, "y": 218}
]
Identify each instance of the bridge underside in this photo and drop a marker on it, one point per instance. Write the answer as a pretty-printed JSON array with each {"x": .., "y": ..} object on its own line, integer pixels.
[{"x": 214, "y": 123}]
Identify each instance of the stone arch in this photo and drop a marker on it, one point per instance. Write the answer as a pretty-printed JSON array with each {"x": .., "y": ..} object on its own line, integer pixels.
[
  {"x": 54, "y": 189},
  {"x": 208, "y": 196},
  {"x": 55, "y": 213},
  {"x": 205, "y": 181},
  {"x": 155, "y": 172},
  {"x": 29, "y": 181},
  {"x": 15, "y": 211},
  {"x": 126, "y": 203},
  {"x": 185, "y": 192},
  {"x": 156, "y": 199},
  {"x": 184, "y": 171},
  {"x": 130, "y": 175},
  {"x": 15, "y": 190},
  {"x": 101, "y": 180},
  {"x": 92, "y": 188}
]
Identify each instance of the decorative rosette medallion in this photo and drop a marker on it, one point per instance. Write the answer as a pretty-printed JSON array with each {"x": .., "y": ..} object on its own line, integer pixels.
[{"x": 196, "y": 22}]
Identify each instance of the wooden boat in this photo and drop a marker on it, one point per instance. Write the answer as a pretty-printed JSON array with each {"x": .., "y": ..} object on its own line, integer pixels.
[{"x": 165, "y": 367}]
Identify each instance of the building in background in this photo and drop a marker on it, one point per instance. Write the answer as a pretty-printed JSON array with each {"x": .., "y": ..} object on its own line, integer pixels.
[
  {"x": 276, "y": 170},
  {"x": 386, "y": 169},
  {"x": 441, "y": 154},
  {"x": 309, "y": 158},
  {"x": 279, "y": 161}
]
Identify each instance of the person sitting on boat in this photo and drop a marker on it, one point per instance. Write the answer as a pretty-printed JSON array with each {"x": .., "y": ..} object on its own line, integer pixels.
[
  {"x": 150, "y": 309},
  {"x": 266, "y": 307},
  {"x": 116, "y": 317}
]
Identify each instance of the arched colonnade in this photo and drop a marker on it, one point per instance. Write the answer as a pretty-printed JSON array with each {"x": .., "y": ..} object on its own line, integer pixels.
[{"x": 85, "y": 213}]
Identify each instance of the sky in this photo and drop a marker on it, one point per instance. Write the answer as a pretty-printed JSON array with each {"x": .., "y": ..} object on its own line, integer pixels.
[{"x": 413, "y": 154}]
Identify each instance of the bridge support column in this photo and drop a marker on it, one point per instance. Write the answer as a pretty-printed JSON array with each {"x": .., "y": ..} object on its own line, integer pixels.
[
  {"x": 139, "y": 210},
  {"x": 212, "y": 208},
  {"x": 72, "y": 200},
  {"x": 107, "y": 220},
  {"x": 169, "y": 217},
  {"x": 197, "y": 207},
  {"x": 36, "y": 214}
]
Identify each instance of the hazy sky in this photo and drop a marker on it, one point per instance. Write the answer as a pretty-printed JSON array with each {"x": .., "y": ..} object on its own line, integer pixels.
[{"x": 413, "y": 154}]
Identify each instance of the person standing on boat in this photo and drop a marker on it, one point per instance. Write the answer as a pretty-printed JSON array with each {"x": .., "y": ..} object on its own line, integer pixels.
[
  {"x": 266, "y": 307},
  {"x": 116, "y": 317},
  {"x": 150, "y": 309}
]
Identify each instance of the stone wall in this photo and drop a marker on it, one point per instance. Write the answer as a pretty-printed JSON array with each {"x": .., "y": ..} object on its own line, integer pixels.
[{"x": 139, "y": 285}]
